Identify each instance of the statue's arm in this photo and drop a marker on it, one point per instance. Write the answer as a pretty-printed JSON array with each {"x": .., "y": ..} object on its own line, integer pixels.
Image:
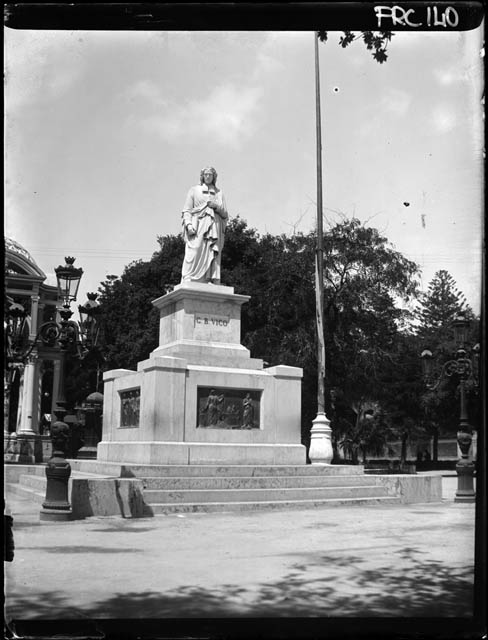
[
  {"x": 222, "y": 207},
  {"x": 187, "y": 208}
]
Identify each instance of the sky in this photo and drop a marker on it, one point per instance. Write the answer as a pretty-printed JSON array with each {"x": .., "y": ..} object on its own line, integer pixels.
[{"x": 105, "y": 132}]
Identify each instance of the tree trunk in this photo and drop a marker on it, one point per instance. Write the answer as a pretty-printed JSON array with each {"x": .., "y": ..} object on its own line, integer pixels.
[
  {"x": 403, "y": 453},
  {"x": 435, "y": 445},
  {"x": 354, "y": 454}
]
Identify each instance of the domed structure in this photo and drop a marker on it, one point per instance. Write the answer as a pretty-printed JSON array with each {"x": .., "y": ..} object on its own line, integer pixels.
[
  {"x": 19, "y": 261},
  {"x": 95, "y": 398}
]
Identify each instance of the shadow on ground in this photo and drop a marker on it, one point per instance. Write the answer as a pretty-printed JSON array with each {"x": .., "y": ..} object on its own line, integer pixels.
[
  {"x": 69, "y": 549},
  {"x": 426, "y": 589}
]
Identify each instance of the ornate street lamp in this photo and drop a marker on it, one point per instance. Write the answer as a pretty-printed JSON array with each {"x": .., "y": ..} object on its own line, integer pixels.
[
  {"x": 90, "y": 411},
  {"x": 461, "y": 326},
  {"x": 56, "y": 505},
  {"x": 463, "y": 367},
  {"x": 68, "y": 277},
  {"x": 89, "y": 325}
]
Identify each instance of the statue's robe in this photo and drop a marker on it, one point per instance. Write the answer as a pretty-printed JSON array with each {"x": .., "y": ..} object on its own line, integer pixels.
[{"x": 203, "y": 251}]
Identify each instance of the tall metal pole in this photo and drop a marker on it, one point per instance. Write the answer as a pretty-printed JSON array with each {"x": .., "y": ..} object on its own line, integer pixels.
[
  {"x": 320, "y": 451},
  {"x": 319, "y": 262}
]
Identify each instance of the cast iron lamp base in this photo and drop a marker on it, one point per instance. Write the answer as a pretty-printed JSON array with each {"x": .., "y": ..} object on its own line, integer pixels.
[{"x": 56, "y": 505}]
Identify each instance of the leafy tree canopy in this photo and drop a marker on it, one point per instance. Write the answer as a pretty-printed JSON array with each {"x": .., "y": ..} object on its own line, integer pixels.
[
  {"x": 439, "y": 305},
  {"x": 375, "y": 41}
]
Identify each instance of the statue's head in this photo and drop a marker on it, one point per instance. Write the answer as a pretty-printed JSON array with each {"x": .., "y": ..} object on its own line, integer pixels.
[{"x": 208, "y": 169}]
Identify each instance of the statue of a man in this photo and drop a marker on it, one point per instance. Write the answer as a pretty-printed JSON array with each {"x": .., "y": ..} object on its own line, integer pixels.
[{"x": 204, "y": 220}]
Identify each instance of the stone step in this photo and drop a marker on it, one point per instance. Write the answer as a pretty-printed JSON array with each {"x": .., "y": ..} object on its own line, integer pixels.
[
  {"x": 12, "y": 472},
  {"x": 261, "y": 495},
  {"x": 222, "y": 507},
  {"x": 38, "y": 481},
  {"x": 147, "y": 470},
  {"x": 33, "y": 481},
  {"x": 16, "y": 489},
  {"x": 256, "y": 482}
]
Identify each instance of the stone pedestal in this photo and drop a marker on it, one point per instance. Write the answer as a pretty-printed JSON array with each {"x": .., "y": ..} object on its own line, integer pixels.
[
  {"x": 22, "y": 448},
  {"x": 321, "y": 451},
  {"x": 465, "y": 491},
  {"x": 200, "y": 398}
]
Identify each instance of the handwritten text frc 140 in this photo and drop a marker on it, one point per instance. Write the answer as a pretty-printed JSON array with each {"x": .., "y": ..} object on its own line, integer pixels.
[{"x": 429, "y": 16}]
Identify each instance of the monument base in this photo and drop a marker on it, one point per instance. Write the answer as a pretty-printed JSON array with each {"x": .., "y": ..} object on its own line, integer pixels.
[
  {"x": 200, "y": 399},
  {"x": 201, "y": 453}
]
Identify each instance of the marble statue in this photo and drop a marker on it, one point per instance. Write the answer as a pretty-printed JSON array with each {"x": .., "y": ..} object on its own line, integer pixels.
[{"x": 204, "y": 220}]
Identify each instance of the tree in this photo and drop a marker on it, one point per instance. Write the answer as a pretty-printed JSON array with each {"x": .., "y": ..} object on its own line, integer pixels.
[
  {"x": 364, "y": 278},
  {"x": 82, "y": 375},
  {"x": 438, "y": 307},
  {"x": 402, "y": 385},
  {"x": 375, "y": 41},
  {"x": 130, "y": 321}
]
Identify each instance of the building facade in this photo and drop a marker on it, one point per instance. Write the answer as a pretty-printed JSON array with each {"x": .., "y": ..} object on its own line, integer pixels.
[{"x": 32, "y": 370}]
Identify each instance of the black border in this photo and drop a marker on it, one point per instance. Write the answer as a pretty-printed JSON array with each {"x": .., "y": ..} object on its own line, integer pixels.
[{"x": 244, "y": 16}]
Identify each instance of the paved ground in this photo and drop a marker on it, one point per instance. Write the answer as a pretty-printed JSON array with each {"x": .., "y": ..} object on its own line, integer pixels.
[{"x": 387, "y": 560}]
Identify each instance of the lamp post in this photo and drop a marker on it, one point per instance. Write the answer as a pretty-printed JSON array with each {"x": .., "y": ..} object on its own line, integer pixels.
[
  {"x": 320, "y": 452},
  {"x": 463, "y": 367},
  {"x": 21, "y": 352},
  {"x": 56, "y": 505},
  {"x": 70, "y": 337},
  {"x": 90, "y": 411}
]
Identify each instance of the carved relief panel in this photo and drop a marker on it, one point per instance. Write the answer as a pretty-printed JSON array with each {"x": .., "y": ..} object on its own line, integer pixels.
[
  {"x": 130, "y": 405},
  {"x": 220, "y": 408}
]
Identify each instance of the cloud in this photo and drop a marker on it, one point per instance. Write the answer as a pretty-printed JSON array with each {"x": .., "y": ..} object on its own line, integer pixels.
[
  {"x": 146, "y": 91},
  {"x": 227, "y": 116},
  {"x": 447, "y": 76},
  {"x": 396, "y": 102},
  {"x": 394, "y": 105},
  {"x": 267, "y": 64},
  {"x": 40, "y": 65},
  {"x": 443, "y": 118}
]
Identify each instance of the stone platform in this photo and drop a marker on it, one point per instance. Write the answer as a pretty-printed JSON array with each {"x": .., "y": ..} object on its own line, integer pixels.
[{"x": 133, "y": 491}]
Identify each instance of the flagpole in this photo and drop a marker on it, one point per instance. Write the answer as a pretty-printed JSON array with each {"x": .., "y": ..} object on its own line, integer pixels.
[
  {"x": 319, "y": 262},
  {"x": 320, "y": 451}
]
